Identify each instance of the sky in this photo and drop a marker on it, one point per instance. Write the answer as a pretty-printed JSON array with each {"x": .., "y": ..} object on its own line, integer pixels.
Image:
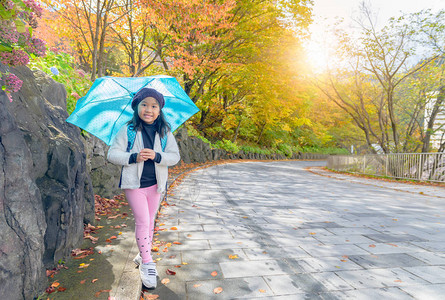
[{"x": 325, "y": 12}]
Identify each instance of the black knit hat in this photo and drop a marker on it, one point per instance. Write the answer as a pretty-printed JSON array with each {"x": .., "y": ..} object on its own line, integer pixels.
[{"x": 147, "y": 92}]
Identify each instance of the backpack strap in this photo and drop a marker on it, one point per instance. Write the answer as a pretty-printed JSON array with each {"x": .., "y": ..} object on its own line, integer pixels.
[
  {"x": 131, "y": 136},
  {"x": 164, "y": 142}
]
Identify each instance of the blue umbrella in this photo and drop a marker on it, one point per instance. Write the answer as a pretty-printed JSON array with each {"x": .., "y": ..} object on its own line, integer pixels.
[{"x": 107, "y": 105}]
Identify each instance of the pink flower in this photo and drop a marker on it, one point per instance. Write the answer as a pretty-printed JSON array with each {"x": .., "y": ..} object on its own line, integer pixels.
[
  {"x": 16, "y": 57},
  {"x": 12, "y": 83},
  {"x": 75, "y": 95}
]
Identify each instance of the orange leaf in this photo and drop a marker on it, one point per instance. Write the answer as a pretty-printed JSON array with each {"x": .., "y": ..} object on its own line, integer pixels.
[
  {"x": 165, "y": 250},
  {"x": 372, "y": 246},
  {"x": 217, "y": 290},
  {"x": 177, "y": 243},
  {"x": 398, "y": 280},
  {"x": 55, "y": 284},
  {"x": 94, "y": 280},
  {"x": 214, "y": 273},
  {"x": 151, "y": 297},
  {"x": 170, "y": 272},
  {"x": 113, "y": 237},
  {"x": 262, "y": 291},
  {"x": 233, "y": 256},
  {"x": 165, "y": 281},
  {"x": 61, "y": 289},
  {"x": 197, "y": 285},
  {"x": 394, "y": 245},
  {"x": 173, "y": 228},
  {"x": 83, "y": 281}
]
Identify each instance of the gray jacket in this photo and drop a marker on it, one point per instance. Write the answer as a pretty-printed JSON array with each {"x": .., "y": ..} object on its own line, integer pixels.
[{"x": 131, "y": 173}]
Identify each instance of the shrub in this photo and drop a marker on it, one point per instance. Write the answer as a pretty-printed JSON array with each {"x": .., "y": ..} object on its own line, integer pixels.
[{"x": 62, "y": 68}]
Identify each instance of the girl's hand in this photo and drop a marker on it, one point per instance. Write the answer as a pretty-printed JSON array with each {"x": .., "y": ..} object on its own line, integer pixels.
[{"x": 146, "y": 154}]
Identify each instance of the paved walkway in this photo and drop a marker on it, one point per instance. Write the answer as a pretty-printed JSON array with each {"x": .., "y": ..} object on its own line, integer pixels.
[{"x": 275, "y": 230}]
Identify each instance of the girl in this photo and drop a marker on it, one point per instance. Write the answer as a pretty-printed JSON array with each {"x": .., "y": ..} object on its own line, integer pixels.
[{"x": 145, "y": 170}]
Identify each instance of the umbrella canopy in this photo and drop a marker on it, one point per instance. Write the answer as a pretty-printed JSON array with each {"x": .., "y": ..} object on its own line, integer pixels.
[{"x": 107, "y": 105}]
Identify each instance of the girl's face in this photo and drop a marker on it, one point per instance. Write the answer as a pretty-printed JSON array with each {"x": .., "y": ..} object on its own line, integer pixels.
[{"x": 149, "y": 110}]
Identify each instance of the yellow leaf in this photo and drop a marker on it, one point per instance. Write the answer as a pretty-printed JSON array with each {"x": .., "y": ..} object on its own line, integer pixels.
[
  {"x": 262, "y": 291},
  {"x": 233, "y": 256}
]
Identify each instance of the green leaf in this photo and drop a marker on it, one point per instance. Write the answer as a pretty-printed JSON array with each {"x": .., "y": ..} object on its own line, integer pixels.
[
  {"x": 4, "y": 48},
  {"x": 20, "y": 26}
]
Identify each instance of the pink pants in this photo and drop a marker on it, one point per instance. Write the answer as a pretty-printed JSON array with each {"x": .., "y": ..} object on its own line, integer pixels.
[{"x": 144, "y": 203}]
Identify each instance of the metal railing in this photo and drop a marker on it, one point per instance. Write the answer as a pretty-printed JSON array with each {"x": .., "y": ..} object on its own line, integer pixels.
[{"x": 412, "y": 166}]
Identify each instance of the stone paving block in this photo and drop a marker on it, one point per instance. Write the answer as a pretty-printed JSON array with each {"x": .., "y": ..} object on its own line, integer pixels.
[
  {"x": 294, "y": 284},
  {"x": 431, "y": 246},
  {"x": 186, "y": 227},
  {"x": 205, "y": 235},
  {"x": 171, "y": 257},
  {"x": 331, "y": 281},
  {"x": 254, "y": 268},
  {"x": 307, "y": 296},
  {"x": 319, "y": 225},
  {"x": 343, "y": 239},
  {"x": 192, "y": 244},
  {"x": 394, "y": 238},
  {"x": 232, "y": 289},
  {"x": 380, "y": 248},
  {"x": 225, "y": 226},
  {"x": 432, "y": 274},
  {"x": 326, "y": 264},
  {"x": 319, "y": 250},
  {"x": 369, "y": 294},
  {"x": 174, "y": 290},
  {"x": 427, "y": 292},
  {"x": 275, "y": 252},
  {"x": 352, "y": 230},
  {"x": 380, "y": 278},
  {"x": 386, "y": 260},
  {"x": 190, "y": 272},
  {"x": 430, "y": 257},
  {"x": 200, "y": 221},
  {"x": 213, "y": 256},
  {"x": 236, "y": 243}
]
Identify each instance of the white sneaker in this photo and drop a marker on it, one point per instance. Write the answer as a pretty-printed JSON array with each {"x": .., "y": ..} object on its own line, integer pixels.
[
  {"x": 138, "y": 261},
  {"x": 148, "y": 275}
]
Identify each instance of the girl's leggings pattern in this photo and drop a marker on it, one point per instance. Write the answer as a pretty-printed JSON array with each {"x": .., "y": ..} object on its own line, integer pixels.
[{"x": 144, "y": 203}]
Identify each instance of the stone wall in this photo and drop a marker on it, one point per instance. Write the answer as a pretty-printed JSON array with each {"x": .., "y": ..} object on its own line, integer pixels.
[
  {"x": 46, "y": 193},
  {"x": 194, "y": 150}
]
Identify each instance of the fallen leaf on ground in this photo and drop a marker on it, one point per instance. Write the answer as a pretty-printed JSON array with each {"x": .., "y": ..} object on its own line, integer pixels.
[
  {"x": 50, "y": 290},
  {"x": 83, "y": 281},
  {"x": 398, "y": 280},
  {"x": 372, "y": 246},
  {"x": 155, "y": 249},
  {"x": 197, "y": 285},
  {"x": 394, "y": 245},
  {"x": 165, "y": 281},
  {"x": 177, "y": 243},
  {"x": 184, "y": 263},
  {"x": 94, "y": 280},
  {"x": 55, "y": 284},
  {"x": 177, "y": 266},
  {"x": 312, "y": 233},
  {"x": 214, "y": 273},
  {"x": 151, "y": 296},
  {"x": 113, "y": 237},
  {"x": 170, "y": 272},
  {"x": 61, "y": 289},
  {"x": 165, "y": 250},
  {"x": 217, "y": 290},
  {"x": 173, "y": 228},
  {"x": 83, "y": 266},
  {"x": 262, "y": 291},
  {"x": 233, "y": 256}
]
